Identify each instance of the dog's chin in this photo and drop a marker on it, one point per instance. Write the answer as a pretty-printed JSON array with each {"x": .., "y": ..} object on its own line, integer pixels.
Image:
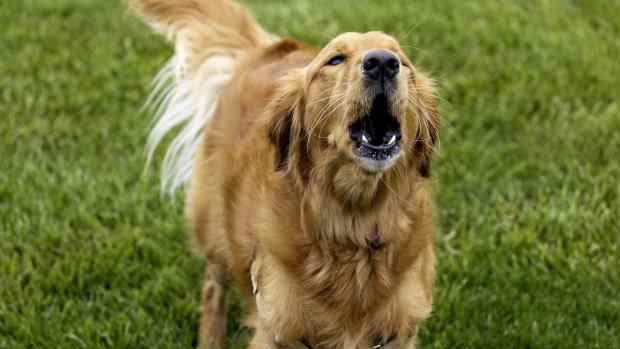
[
  {"x": 376, "y": 137},
  {"x": 373, "y": 166}
]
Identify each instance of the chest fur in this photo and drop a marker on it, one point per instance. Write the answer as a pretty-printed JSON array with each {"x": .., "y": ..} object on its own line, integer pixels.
[
  {"x": 336, "y": 299},
  {"x": 332, "y": 275}
]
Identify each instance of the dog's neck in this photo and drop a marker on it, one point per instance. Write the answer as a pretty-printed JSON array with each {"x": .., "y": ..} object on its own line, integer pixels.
[
  {"x": 349, "y": 208},
  {"x": 355, "y": 189},
  {"x": 331, "y": 222}
]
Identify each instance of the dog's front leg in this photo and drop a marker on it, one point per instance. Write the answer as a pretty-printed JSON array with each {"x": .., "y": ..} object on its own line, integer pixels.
[{"x": 214, "y": 309}]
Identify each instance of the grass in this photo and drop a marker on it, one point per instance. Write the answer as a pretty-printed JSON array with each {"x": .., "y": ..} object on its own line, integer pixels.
[{"x": 527, "y": 189}]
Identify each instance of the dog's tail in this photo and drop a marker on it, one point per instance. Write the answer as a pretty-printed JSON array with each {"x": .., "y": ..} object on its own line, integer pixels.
[{"x": 208, "y": 36}]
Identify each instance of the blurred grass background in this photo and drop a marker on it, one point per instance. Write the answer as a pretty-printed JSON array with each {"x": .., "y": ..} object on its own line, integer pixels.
[{"x": 527, "y": 180}]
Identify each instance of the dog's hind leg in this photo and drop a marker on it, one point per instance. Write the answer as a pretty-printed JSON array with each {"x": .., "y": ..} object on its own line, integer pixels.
[{"x": 214, "y": 317}]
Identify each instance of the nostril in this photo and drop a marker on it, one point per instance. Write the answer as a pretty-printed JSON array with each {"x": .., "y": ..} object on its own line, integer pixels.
[
  {"x": 392, "y": 67},
  {"x": 370, "y": 63}
]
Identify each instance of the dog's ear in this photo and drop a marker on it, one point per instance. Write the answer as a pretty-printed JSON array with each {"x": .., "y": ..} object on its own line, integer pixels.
[
  {"x": 427, "y": 135},
  {"x": 285, "y": 126}
]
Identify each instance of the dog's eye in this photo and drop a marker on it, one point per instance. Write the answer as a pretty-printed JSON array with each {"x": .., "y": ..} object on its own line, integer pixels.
[{"x": 336, "y": 60}]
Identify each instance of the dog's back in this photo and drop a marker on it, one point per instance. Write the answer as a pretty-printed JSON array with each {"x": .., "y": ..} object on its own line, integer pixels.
[{"x": 209, "y": 38}]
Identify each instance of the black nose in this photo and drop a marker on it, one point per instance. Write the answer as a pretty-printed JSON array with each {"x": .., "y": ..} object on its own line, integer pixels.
[{"x": 380, "y": 64}]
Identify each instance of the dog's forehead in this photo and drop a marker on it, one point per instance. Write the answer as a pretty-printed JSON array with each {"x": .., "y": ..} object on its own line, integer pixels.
[{"x": 351, "y": 42}]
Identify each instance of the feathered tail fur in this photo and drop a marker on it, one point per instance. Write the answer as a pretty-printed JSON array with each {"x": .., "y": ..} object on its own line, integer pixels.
[{"x": 208, "y": 36}]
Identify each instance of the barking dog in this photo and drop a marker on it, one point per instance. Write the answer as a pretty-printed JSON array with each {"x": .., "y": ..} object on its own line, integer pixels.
[{"x": 307, "y": 176}]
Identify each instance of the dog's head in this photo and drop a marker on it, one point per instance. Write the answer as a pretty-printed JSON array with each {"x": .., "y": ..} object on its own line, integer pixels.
[{"x": 359, "y": 109}]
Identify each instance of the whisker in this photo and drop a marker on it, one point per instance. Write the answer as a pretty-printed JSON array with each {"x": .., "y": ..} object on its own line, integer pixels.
[
  {"x": 340, "y": 104},
  {"x": 322, "y": 115}
]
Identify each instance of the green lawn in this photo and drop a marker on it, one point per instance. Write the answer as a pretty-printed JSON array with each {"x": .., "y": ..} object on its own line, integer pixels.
[{"x": 527, "y": 179}]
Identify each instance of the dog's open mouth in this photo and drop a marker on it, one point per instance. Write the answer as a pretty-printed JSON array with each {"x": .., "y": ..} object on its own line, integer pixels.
[{"x": 376, "y": 136}]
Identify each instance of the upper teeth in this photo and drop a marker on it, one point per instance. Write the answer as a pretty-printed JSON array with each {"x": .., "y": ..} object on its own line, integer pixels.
[
  {"x": 392, "y": 140},
  {"x": 364, "y": 138}
]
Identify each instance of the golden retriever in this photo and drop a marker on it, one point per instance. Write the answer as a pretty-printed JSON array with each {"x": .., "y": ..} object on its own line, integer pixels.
[{"x": 308, "y": 176}]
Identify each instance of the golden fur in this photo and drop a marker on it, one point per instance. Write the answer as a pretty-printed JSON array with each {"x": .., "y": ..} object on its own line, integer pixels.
[{"x": 340, "y": 254}]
